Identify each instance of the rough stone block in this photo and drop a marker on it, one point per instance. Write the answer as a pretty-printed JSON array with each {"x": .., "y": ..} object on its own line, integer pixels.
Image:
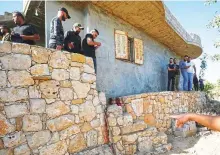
[
  {"x": 16, "y": 61},
  {"x": 78, "y": 58},
  {"x": 22, "y": 150},
  {"x": 81, "y": 89},
  {"x": 5, "y": 126},
  {"x": 86, "y": 127},
  {"x": 20, "y": 78},
  {"x": 66, "y": 94},
  {"x": 87, "y": 111},
  {"x": 34, "y": 92},
  {"x": 89, "y": 62},
  {"x": 38, "y": 139},
  {"x": 14, "y": 139},
  {"x": 149, "y": 119},
  {"x": 92, "y": 138},
  {"x": 74, "y": 129},
  {"x": 77, "y": 101},
  {"x": 21, "y": 48},
  {"x": 58, "y": 148},
  {"x": 16, "y": 110},
  {"x": 65, "y": 84},
  {"x": 60, "y": 123},
  {"x": 137, "y": 106},
  {"x": 39, "y": 54},
  {"x": 6, "y": 152},
  {"x": 59, "y": 60},
  {"x": 60, "y": 74},
  {"x": 129, "y": 139},
  {"x": 32, "y": 123},
  {"x": 56, "y": 109},
  {"x": 77, "y": 144},
  {"x": 49, "y": 89},
  {"x": 3, "y": 79},
  {"x": 40, "y": 70},
  {"x": 88, "y": 78},
  {"x": 5, "y": 47},
  {"x": 75, "y": 73},
  {"x": 88, "y": 69},
  {"x": 37, "y": 105}
]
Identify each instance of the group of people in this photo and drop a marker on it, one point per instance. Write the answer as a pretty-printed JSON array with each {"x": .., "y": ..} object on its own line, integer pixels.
[
  {"x": 69, "y": 41},
  {"x": 188, "y": 72}
]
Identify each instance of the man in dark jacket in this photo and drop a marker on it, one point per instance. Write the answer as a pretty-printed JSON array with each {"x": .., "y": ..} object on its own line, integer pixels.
[
  {"x": 23, "y": 32},
  {"x": 56, "y": 29},
  {"x": 72, "y": 40}
]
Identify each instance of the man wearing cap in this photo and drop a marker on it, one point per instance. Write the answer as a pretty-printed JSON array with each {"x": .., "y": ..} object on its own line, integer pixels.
[
  {"x": 23, "y": 32},
  {"x": 89, "y": 45},
  {"x": 56, "y": 29},
  {"x": 5, "y": 32},
  {"x": 72, "y": 40}
]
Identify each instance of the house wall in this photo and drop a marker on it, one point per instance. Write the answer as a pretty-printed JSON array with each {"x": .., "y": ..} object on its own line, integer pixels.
[{"x": 116, "y": 77}]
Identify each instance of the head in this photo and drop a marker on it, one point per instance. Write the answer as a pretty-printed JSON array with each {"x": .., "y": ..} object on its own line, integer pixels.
[
  {"x": 174, "y": 60},
  {"x": 94, "y": 33},
  {"x": 171, "y": 60},
  {"x": 18, "y": 18},
  {"x": 63, "y": 14},
  {"x": 4, "y": 29},
  {"x": 189, "y": 59},
  {"x": 77, "y": 28},
  {"x": 185, "y": 58}
]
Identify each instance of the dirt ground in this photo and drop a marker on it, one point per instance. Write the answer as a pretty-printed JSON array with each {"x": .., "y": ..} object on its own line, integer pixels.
[{"x": 204, "y": 143}]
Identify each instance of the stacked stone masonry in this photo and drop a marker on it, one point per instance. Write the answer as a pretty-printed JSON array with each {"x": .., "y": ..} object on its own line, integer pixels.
[
  {"x": 137, "y": 123},
  {"x": 48, "y": 102}
]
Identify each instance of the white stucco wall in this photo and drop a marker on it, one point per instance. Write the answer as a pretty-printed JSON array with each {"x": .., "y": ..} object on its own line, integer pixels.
[
  {"x": 116, "y": 77},
  {"x": 52, "y": 7}
]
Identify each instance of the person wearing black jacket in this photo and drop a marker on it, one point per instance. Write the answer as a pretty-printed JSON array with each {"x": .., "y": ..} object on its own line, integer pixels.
[
  {"x": 195, "y": 83},
  {"x": 72, "y": 40}
]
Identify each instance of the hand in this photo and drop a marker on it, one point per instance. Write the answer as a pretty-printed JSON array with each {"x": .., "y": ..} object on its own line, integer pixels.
[
  {"x": 59, "y": 47},
  {"x": 98, "y": 44},
  {"x": 70, "y": 45},
  {"x": 23, "y": 37},
  {"x": 181, "y": 119}
]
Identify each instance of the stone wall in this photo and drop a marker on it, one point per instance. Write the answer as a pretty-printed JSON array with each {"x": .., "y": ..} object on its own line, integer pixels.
[
  {"x": 48, "y": 102},
  {"x": 137, "y": 123}
]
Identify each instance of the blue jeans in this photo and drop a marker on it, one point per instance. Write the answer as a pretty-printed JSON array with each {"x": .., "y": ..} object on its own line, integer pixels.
[
  {"x": 185, "y": 81},
  {"x": 190, "y": 81}
]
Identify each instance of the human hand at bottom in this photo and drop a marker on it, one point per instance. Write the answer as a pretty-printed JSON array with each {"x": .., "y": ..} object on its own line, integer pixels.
[{"x": 181, "y": 119}]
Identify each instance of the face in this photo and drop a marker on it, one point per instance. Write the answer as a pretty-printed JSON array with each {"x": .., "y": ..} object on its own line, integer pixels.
[
  {"x": 189, "y": 59},
  {"x": 174, "y": 60},
  {"x": 185, "y": 58},
  {"x": 64, "y": 16},
  {"x": 171, "y": 60},
  {"x": 3, "y": 31},
  {"x": 16, "y": 19},
  {"x": 77, "y": 29},
  {"x": 94, "y": 34}
]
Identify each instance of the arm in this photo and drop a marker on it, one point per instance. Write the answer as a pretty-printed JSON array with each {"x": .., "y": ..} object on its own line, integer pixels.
[
  {"x": 169, "y": 69},
  {"x": 212, "y": 122},
  {"x": 92, "y": 43},
  {"x": 32, "y": 37},
  {"x": 57, "y": 33}
]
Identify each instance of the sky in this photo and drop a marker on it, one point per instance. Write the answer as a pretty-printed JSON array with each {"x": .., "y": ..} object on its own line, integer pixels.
[{"x": 192, "y": 15}]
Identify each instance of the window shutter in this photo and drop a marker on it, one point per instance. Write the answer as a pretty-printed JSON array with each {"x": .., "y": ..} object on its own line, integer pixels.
[
  {"x": 138, "y": 51},
  {"x": 121, "y": 45}
]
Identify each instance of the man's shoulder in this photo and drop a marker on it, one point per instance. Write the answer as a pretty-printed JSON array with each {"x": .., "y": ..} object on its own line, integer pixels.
[{"x": 89, "y": 35}]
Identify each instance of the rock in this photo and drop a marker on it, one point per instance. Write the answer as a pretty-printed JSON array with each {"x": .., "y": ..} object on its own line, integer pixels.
[
  {"x": 5, "y": 47},
  {"x": 145, "y": 146},
  {"x": 20, "y": 78},
  {"x": 115, "y": 110},
  {"x": 75, "y": 57},
  {"x": 16, "y": 61},
  {"x": 16, "y": 110},
  {"x": 81, "y": 89},
  {"x": 32, "y": 123},
  {"x": 21, "y": 48},
  {"x": 55, "y": 138},
  {"x": 40, "y": 54},
  {"x": 34, "y": 92},
  {"x": 60, "y": 74},
  {"x": 137, "y": 126},
  {"x": 76, "y": 64},
  {"x": 49, "y": 89},
  {"x": 112, "y": 121},
  {"x": 56, "y": 109},
  {"x": 18, "y": 123},
  {"x": 128, "y": 120},
  {"x": 37, "y": 105},
  {"x": 88, "y": 69},
  {"x": 1, "y": 144},
  {"x": 5, "y": 126},
  {"x": 58, "y": 148},
  {"x": 14, "y": 139},
  {"x": 59, "y": 60},
  {"x": 116, "y": 131},
  {"x": 89, "y": 62},
  {"x": 65, "y": 84},
  {"x": 88, "y": 78},
  {"x": 137, "y": 106},
  {"x": 95, "y": 123},
  {"x": 77, "y": 144},
  {"x": 96, "y": 101},
  {"x": 39, "y": 138},
  {"x": 74, "y": 129},
  {"x": 86, "y": 127},
  {"x": 22, "y": 150},
  {"x": 120, "y": 121},
  {"x": 87, "y": 111},
  {"x": 77, "y": 101},
  {"x": 60, "y": 123},
  {"x": 129, "y": 139},
  {"x": 66, "y": 94},
  {"x": 75, "y": 73},
  {"x": 13, "y": 94},
  {"x": 99, "y": 109},
  {"x": 102, "y": 98},
  {"x": 149, "y": 119},
  {"x": 3, "y": 79},
  {"x": 92, "y": 138},
  {"x": 40, "y": 70},
  {"x": 74, "y": 109}
]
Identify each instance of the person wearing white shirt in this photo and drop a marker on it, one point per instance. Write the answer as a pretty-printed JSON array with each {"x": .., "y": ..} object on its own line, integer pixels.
[{"x": 190, "y": 71}]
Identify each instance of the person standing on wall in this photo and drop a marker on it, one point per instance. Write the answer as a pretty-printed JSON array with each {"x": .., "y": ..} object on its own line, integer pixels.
[
  {"x": 177, "y": 74},
  {"x": 56, "y": 29},
  {"x": 72, "y": 40},
  {"x": 183, "y": 69},
  {"x": 89, "y": 46},
  {"x": 171, "y": 75},
  {"x": 23, "y": 32},
  {"x": 190, "y": 71},
  {"x": 5, "y": 31}
]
